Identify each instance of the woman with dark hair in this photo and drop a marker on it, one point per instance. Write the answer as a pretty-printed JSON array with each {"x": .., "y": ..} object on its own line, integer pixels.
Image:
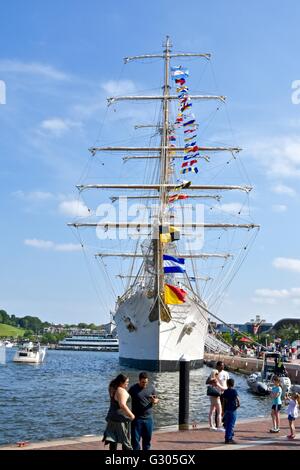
[{"x": 119, "y": 415}]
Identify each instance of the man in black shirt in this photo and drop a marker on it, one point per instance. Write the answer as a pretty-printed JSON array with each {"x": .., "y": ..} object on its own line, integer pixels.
[{"x": 143, "y": 396}]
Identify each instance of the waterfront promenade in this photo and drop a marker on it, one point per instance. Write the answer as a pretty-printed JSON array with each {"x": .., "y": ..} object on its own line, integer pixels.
[{"x": 250, "y": 434}]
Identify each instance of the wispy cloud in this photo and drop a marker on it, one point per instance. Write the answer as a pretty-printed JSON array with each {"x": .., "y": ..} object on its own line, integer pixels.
[
  {"x": 235, "y": 208},
  {"x": 58, "y": 126},
  {"x": 32, "y": 68},
  {"x": 33, "y": 196},
  {"x": 283, "y": 189},
  {"x": 273, "y": 296},
  {"x": 74, "y": 208},
  {"x": 49, "y": 245},
  {"x": 288, "y": 264},
  {"x": 280, "y": 156},
  {"x": 279, "y": 208},
  {"x": 275, "y": 293},
  {"x": 115, "y": 88}
]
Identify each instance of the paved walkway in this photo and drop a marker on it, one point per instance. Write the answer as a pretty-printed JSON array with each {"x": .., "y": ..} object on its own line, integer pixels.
[{"x": 252, "y": 434}]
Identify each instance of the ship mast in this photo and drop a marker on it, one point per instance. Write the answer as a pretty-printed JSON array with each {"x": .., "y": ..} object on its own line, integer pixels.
[
  {"x": 164, "y": 165},
  {"x": 164, "y": 186}
]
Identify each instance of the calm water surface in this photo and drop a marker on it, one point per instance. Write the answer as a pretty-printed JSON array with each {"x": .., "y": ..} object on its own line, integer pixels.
[{"x": 67, "y": 396}]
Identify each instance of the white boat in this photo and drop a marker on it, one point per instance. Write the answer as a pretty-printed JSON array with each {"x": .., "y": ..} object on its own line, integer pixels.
[
  {"x": 261, "y": 382},
  {"x": 30, "y": 352},
  {"x": 163, "y": 315},
  {"x": 8, "y": 344},
  {"x": 89, "y": 342}
]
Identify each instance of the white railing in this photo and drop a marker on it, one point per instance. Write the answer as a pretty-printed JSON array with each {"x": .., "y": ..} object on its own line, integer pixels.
[{"x": 213, "y": 344}]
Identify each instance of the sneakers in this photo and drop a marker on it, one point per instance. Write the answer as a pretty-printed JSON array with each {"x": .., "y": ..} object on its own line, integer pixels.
[
  {"x": 221, "y": 429},
  {"x": 291, "y": 436},
  {"x": 231, "y": 441},
  {"x": 213, "y": 428},
  {"x": 274, "y": 430}
]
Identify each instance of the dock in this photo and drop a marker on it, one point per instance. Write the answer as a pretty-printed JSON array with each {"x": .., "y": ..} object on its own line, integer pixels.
[
  {"x": 248, "y": 365},
  {"x": 250, "y": 434}
]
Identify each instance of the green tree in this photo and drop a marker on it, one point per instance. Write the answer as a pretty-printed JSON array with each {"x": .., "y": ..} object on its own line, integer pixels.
[
  {"x": 4, "y": 317},
  {"x": 227, "y": 337}
]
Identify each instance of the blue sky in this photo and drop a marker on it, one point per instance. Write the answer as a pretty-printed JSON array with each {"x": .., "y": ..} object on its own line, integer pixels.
[{"x": 59, "y": 61}]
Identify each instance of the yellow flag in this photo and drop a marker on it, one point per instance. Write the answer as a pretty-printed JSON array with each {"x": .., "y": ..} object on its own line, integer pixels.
[{"x": 174, "y": 295}]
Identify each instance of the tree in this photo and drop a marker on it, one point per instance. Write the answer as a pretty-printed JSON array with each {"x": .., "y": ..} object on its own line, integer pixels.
[
  {"x": 4, "y": 317},
  {"x": 227, "y": 337}
]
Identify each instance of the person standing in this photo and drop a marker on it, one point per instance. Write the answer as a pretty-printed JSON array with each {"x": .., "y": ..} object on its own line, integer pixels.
[
  {"x": 292, "y": 411},
  {"x": 119, "y": 415},
  {"x": 214, "y": 391},
  {"x": 231, "y": 402},
  {"x": 223, "y": 375},
  {"x": 276, "y": 404},
  {"x": 143, "y": 396}
]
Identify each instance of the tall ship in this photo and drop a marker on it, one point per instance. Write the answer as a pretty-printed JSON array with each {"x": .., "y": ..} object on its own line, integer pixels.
[{"x": 177, "y": 228}]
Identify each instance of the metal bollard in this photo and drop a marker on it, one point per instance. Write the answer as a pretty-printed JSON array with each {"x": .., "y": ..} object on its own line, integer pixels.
[{"x": 184, "y": 389}]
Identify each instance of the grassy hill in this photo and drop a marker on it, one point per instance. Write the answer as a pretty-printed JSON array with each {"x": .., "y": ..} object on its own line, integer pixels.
[{"x": 7, "y": 330}]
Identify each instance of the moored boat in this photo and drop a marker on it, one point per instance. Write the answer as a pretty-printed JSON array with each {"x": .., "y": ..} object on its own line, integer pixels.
[{"x": 30, "y": 352}]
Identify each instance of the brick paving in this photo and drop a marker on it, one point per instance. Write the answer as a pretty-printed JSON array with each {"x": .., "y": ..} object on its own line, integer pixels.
[{"x": 251, "y": 434}]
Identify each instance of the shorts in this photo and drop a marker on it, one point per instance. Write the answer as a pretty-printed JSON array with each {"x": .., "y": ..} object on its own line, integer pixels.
[
  {"x": 291, "y": 418},
  {"x": 276, "y": 407}
]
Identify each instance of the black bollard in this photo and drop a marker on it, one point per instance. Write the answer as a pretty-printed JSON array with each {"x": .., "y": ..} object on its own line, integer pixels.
[{"x": 184, "y": 388}]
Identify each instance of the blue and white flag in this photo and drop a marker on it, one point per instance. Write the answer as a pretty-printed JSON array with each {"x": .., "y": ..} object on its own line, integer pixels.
[{"x": 173, "y": 265}]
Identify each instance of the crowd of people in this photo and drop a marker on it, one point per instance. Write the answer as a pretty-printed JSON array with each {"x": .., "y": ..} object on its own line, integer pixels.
[{"x": 132, "y": 428}]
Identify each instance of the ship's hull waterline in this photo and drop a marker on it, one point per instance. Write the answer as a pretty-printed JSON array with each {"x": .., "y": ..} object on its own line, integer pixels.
[{"x": 158, "y": 345}]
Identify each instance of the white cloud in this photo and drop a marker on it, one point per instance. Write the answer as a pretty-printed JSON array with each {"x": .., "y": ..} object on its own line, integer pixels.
[
  {"x": 49, "y": 245},
  {"x": 115, "y": 88},
  {"x": 271, "y": 296},
  {"x": 278, "y": 293},
  {"x": 279, "y": 208},
  {"x": 58, "y": 126},
  {"x": 42, "y": 244},
  {"x": 289, "y": 264},
  {"x": 283, "y": 189},
  {"x": 32, "y": 68},
  {"x": 74, "y": 208},
  {"x": 34, "y": 196},
  {"x": 280, "y": 156},
  {"x": 233, "y": 208}
]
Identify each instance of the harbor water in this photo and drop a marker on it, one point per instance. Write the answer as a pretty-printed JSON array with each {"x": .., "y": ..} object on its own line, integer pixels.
[{"x": 66, "y": 396}]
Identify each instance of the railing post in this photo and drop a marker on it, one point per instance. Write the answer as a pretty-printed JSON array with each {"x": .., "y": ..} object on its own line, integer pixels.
[{"x": 184, "y": 388}]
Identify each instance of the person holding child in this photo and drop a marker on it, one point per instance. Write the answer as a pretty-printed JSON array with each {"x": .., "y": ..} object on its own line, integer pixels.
[{"x": 214, "y": 391}]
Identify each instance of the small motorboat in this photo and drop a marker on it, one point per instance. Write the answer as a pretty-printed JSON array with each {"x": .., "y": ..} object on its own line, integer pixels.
[
  {"x": 261, "y": 383},
  {"x": 30, "y": 352}
]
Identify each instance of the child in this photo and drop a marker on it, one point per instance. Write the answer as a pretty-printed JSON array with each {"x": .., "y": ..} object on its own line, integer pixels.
[
  {"x": 231, "y": 403},
  {"x": 276, "y": 404},
  {"x": 292, "y": 411}
]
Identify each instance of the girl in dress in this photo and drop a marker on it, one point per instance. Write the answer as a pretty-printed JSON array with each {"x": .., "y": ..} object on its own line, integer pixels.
[{"x": 292, "y": 411}]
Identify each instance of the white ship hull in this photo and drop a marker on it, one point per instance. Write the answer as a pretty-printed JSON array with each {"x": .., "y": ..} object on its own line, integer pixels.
[
  {"x": 30, "y": 357},
  {"x": 159, "y": 345}
]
